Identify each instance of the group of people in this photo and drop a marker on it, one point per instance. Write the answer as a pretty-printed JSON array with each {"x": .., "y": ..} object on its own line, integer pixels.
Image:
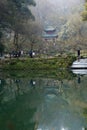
[
  {"x": 21, "y": 53},
  {"x": 15, "y": 54}
]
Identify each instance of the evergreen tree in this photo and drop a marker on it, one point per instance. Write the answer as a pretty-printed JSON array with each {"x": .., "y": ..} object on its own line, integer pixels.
[
  {"x": 13, "y": 15},
  {"x": 1, "y": 45}
]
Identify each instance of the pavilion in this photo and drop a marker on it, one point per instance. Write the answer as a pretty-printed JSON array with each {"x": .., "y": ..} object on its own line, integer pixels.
[{"x": 50, "y": 33}]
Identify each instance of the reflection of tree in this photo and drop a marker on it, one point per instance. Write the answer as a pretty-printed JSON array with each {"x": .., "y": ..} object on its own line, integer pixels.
[
  {"x": 55, "y": 98},
  {"x": 2, "y": 84},
  {"x": 17, "y": 114}
]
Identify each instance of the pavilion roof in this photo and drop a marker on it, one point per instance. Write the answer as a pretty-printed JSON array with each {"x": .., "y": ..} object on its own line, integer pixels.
[{"x": 49, "y": 28}]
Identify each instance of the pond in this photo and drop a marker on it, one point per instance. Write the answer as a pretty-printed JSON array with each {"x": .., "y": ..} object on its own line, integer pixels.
[{"x": 43, "y": 102}]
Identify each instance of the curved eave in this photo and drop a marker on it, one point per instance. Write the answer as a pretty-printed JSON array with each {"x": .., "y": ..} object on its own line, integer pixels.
[
  {"x": 49, "y": 28},
  {"x": 50, "y": 36}
]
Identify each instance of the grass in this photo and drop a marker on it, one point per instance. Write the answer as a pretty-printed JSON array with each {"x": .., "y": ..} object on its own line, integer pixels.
[{"x": 37, "y": 63}]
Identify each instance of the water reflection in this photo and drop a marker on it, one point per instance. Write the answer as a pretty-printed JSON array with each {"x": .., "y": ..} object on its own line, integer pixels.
[
  {"x": 43, "y": 103},
  {"x": 80, "y": 71}
]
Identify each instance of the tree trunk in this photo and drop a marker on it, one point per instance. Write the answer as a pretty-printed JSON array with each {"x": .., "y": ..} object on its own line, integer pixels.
[{"x": 16, "y": 36}]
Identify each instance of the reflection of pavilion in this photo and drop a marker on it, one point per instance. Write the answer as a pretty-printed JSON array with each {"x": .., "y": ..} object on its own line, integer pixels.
[
  {"x": 56, "y": 114},
  {"x": 60, "y": 119}
]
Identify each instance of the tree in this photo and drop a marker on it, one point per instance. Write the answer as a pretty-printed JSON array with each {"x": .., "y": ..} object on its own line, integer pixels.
[
  {"x": 1, "y": 45},
  {"x": 14, "y": 13},
  {"x": 30, "y": 36},
  {"x": 84, "y": 13}
]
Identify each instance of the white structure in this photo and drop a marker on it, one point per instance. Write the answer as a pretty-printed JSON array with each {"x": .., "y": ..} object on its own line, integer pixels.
[
  {"x": 80, "y": 71},
  {"x": 79, "y": 64}
]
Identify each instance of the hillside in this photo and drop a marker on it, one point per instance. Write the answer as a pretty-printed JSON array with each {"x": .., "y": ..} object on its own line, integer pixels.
[
  {"x": 55, "y": 10},
  {"x": 66, "y": 17}
]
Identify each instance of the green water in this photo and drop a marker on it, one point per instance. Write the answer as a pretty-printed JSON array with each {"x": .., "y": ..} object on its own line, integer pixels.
[{"x": 43, "y": 102}]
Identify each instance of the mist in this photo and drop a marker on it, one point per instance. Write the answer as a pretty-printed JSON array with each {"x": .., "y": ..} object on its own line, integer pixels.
[{"x": 48, "y": 10}]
